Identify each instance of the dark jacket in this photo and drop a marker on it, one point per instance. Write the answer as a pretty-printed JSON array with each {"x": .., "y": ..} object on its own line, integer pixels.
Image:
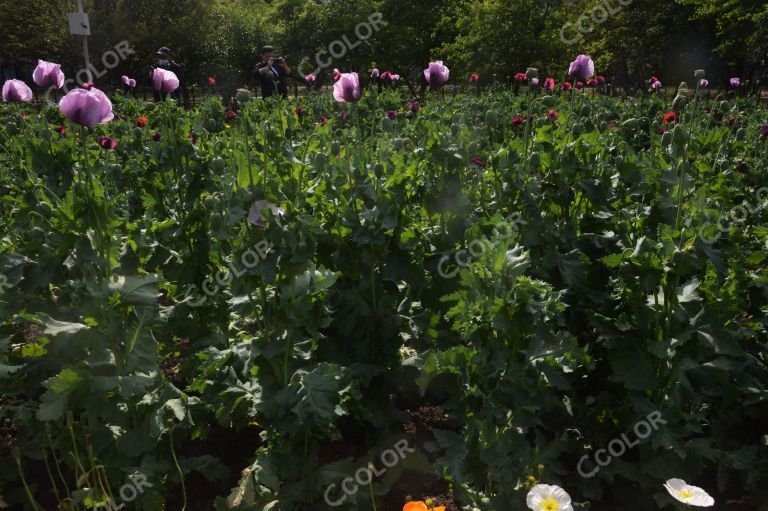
[{"x": 270, "y": 83}]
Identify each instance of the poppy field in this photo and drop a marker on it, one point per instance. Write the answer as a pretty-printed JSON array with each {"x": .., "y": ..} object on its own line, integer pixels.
[{"x": 370, "y": 301}]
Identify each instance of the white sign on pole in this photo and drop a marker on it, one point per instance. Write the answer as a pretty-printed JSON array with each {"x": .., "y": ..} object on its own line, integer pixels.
[{"x": 79, "y": 24}]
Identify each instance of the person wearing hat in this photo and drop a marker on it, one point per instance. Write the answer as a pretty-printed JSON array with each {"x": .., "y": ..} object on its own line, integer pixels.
[
  {"x": 164, "y": 61},
  {"x": 271, "y": 73}
]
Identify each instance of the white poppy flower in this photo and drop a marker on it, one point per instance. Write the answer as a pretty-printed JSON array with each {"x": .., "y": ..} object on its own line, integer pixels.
[
  {"x": 687, "y": 494},
  {"x": 548, "y": 497}
]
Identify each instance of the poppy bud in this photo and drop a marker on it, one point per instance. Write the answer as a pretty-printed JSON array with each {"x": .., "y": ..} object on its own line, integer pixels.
[
  {"x": 585, "y": 110},
  {"x": 629, "y": 124},
  {"x": 243, "y": 96},
  {"x": 378, "y": 169},
  {"x": 699, "y": 74},
  {"x": 683, "y": 89},
  {"x": 678, "y": 104},
  {"x": 218, "y": 165},
  {"x": 619, "y": 161},
  {"x": 320, "y": 160},
  {"x": 540, "y": 123},
  {"x": 548, "y": 101},
  {"x": 534, "y": 159},
  {"x": 210, "y": 125},
  {"x": 11, "y": 128},
  {"x": 655, "y": 125},
  {"x": 724, "y": 105},
  {"x": 335, "y": 148},
  {"x": 491, "y": 118},
  {"x": 576, "y": 129},
  {"x": 666, "y": 138},
  {"x": 680, "y": 135}
]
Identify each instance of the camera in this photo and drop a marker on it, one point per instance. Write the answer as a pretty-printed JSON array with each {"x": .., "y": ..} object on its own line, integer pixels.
[{"x": 277, "y": 60}]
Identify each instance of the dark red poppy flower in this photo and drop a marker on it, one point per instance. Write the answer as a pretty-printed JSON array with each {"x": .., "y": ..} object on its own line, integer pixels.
[
  {"x": 549, "y": 84},
  {"x": 106, "y": 143},
  {"x": 88, "y": 85},
  {"x": 592, "y": 83},
  {"x": 764, "y": 131},
  {"x": 211, "y": 80},
  {"x": 566, "y": 86},
  {"x": 600, "y": 79},
  {"x": 670, "y": 117},
  {"x": 474, "y": 77},
  {"x": 653, "y": 80},
  {"x": 61, "y": 130},
  {"x": 517, "y": 121},
  {"x": 579, "y": 85},
  {"x": 552, "y": 115},
  {"x": 192, "y": 137},
  {"x": 742, "y": 167},
  {"x": 386, "y": 76},
  {"x": 413, "y": 106},
  {"x": 229, "y": 115},
  {"x": 343, "y": 115},
  {"x": 141, "y": 122},
  {"x": 323, "y": 120},
  {"x": 477, "y": 161},
  {"x": 157, "y": 137},
  {"x": 299, "y": 112},
  {"x": 520, "y": 77},
  {"x": 660, "y": 130},
  {"x": 391, "y": 115}
]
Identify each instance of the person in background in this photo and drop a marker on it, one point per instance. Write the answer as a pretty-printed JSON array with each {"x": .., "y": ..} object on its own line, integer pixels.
[
  {"x": 271, "y": 73},
  {"x": 165, "y": 61}
]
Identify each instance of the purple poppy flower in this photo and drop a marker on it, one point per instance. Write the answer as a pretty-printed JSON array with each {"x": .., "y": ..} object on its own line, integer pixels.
[
  {"x": 735, "y": 81},
  {"x": 157, "y": 137},
  {"x": 130, "y": 82},
  {"x": 437, "y": 74},
  {"x": 255, "y": 216},
  {"x": 375, "y": 74},
  {"x": 192, "y": 137},
  {"x": 395, "y": 77},
  {"x": 391, "y": 115},
  {"x": 764, "y": 131},
  {"x": 16, "y": 91},
  {"x": 703, "y": 83},
  {"x": 87, "y": 107},
  {"x": 347, "y": 88},
  {"x": 48, "y": 74},
  {"x": 534, "y": 81},
  {"x": 343, "y": 115},
  {"x": 164, "y": 81},
  {"x": 582, "y": 67},
  {"x": 656, "y": 85}
]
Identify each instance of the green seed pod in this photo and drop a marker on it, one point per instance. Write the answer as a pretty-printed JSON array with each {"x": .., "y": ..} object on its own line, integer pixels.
[
  {"x": 548, "y": 101},
  {"x": 603, "y": 126},
  {"x": 378, "y": 169},
  {"x": 585, "y": 110},
  {"x": 211, "y": 125},
  {"x": 243, "y": 96},
  {"x": 683, "y": 88},
  {"x": 699, "y": 74},
  {"x": 540, "y": 123},
  {"x": 680, "y": 135},
  {"x": 338, "y": 133},
  {"x": 619, "y": 161},
  {"x": 724, "y": 106},
  {"x": 491, "y": 118},
  {"x": 666, "y": 138},
  {"x": 335, "y": 148},
  {"x": 11, "y": 128},
  {"x": 534, "y": 159},
  {"x": 655, "y": 124},
  {"x": 577, "y": 129},
  {"x": 217, "y": 165},
  {"x": 115, "y": 169},
  {"x": 209, "y": 202}
]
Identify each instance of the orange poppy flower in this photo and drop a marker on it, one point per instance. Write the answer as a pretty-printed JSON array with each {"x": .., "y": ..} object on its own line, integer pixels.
[{"x": 415, "y": 506}]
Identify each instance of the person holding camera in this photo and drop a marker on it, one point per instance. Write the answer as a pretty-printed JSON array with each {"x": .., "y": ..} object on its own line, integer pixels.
[
  {"x": 271, "y": 73},
  {"x": 165, "y": 61}
]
